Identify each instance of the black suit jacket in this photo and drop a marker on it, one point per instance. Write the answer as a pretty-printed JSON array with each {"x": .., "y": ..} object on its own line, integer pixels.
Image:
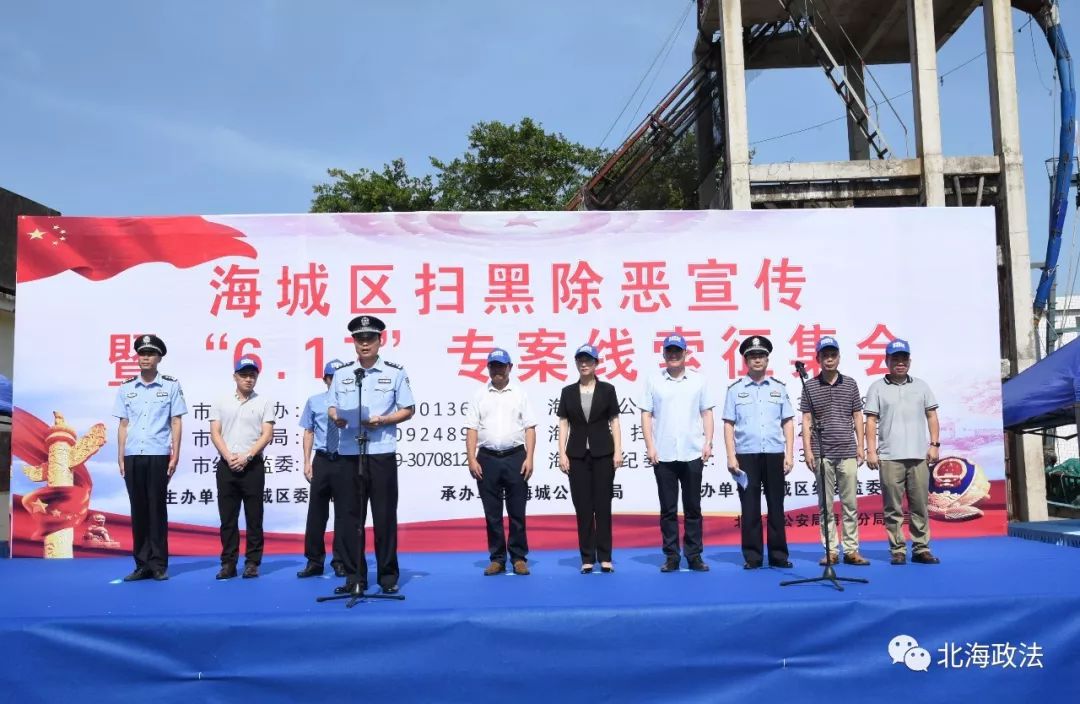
[{"x": 605, "y": 406}]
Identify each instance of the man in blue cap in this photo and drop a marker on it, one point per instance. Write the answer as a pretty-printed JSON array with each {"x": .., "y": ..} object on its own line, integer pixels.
[
  {"x": 149, "y": 407},
  {"x": 677, "y": 422},
  {"x": 369, "y": 398},
  {"x": 832, "y": 405},
  {"x": 241, "y": 425},
  {"x": 320, "y": 436},
  {"x": 902, "y": 441},
  {"x": 500, "y": 438},
  {"x": 759, "y": 436}
]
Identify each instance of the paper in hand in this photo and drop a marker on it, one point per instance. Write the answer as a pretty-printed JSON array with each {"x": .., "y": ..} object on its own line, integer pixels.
[{"x": 741, "y": 479}]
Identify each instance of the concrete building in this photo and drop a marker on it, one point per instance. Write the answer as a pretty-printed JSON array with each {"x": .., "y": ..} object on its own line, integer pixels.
[{"x": 843, "y": 37}]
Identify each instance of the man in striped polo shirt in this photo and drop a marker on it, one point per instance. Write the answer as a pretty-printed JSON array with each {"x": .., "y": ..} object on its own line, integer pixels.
[{"x": 831, "y": 401}]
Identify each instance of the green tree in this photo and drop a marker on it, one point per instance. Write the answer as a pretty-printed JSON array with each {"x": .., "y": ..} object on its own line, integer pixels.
[
  {"x": 514, "y": 167},
  {"x": 368, "y": 191}
]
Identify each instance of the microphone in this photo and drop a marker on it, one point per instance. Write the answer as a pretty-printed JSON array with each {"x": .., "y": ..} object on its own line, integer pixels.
[{"x": 801, "y": 369}]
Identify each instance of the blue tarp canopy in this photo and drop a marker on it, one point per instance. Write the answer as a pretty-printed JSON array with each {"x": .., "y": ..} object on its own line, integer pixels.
[
  {"x": 1044, "y": 395},
  {"x": 5, "y": 395}
]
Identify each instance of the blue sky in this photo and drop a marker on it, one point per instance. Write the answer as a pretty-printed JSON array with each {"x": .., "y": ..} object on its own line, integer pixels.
[{"x": 131, "y": 107}]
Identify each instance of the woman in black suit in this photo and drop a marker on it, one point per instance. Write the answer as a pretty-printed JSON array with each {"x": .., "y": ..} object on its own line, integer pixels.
[{"x": 590, "y": 447}]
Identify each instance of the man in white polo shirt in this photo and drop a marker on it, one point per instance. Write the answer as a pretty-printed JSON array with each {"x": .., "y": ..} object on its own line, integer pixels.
[
  {"x": 900, "y": 409},
  {"x": 499, "y": 440},
  {"x": 677, "y": 421},
  {"x": 241, "y": 425}
]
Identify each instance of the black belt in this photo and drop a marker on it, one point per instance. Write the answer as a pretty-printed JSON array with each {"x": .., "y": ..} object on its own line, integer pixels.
[
  {"x": 333, "y": 456},
  {"x": 502, "y": 453}
]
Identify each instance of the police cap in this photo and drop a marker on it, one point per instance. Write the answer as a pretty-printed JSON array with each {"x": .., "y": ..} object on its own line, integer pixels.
[
  {"x": 756, "y": 343},
  {"x": 150, "y": 343}
]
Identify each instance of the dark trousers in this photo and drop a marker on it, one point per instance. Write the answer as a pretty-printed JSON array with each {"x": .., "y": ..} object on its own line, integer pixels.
[
  {"x": 669, "y": 476},
  {"x": 234, "y": 488},
  {"x": 318, "y": 513},
  {"x": 763, "y": 469},
  {"x": 504, "y": 474},
  {"x": 343, "y": 476},
  {"x": 147, "y": 481},
  {"x": 379, "y": 486},
  {"x": 591, "y": 485}
]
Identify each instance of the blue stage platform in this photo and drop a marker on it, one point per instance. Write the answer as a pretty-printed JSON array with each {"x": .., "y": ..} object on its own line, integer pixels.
[{"x": 71, "y": 628}]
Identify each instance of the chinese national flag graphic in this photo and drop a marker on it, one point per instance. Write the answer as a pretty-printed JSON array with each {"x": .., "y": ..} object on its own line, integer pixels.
[{"x": 100, "y": 248}]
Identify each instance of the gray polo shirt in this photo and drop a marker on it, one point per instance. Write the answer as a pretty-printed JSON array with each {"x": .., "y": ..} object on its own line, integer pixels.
[
  {"x": 242, "y": 419},
  {"x": 901, "y": 411}
]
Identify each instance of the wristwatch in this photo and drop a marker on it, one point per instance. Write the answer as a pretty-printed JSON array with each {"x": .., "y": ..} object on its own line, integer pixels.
[{"x": 935, "y": 444}]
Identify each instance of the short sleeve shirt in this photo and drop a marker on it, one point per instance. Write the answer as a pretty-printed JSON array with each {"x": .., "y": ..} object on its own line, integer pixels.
[
  {"x": 833, "y": 406},
  {"x": 149, "y": 409},
  {"x": 314, "y": 418},
  {"x": 901, "y": 412},
  {"x": 384, "y": 390},
  {"x": 242, "y": 419},
  {"x": 676, "y": 404},
  {"x": 758, "y": 410}
]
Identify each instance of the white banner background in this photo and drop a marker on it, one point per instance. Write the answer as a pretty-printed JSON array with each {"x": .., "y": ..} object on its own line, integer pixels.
[{"x": 926, "y": 274}]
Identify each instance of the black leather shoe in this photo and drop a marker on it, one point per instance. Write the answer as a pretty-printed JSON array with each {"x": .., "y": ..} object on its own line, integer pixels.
[
  {"x": 311, "y": 570},
  {"x": 354, "y": 589},
  {"x": 139, "y": 574},
  {"x": 251, "y": 570},
  {"x": 392, "y": 589},
  {"x": 607, "y": 569},
  {"x": 226, "y": 572},
  {"x": 925, "y": 558},
  {"x": 783, "y": 564},
  {"x": 698, "y": 565},
  {"x": 160, "y": 575},
  {"x": 672, "y": 565},
  {"x": 339, "y": 570},
  {"x": 751, "y": 565}
]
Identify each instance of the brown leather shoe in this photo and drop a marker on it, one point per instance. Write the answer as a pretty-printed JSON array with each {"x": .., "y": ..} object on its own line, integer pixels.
[
  {"x": 494, "y": 568},
  {"x": 830, "y": 559},
  {"x": 521, "y": 567},
  {"x": 855, "y": 559},
  {"x": 925, "y": 558}
]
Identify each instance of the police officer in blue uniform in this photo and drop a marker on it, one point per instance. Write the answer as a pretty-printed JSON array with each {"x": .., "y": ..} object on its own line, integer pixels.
[
  {"x": 759, "y": 436},
  {"x": 320, "y": 436},
  {"x": 149, "y": 407},
  {"x": 369, "y": 397}
]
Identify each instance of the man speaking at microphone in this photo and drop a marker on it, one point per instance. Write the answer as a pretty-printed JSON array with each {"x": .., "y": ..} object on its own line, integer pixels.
[{"x": 369, "y": 397}]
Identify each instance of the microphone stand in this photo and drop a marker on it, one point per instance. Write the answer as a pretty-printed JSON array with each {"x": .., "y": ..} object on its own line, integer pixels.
[
  {"x": 356, "y": 595},
  {"x": 824, "y": 502}
]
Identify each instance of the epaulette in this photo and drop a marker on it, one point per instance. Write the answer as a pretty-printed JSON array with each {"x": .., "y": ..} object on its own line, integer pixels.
[
  {"x": 166, "y": 377},
  {"x": 773, "y": 378},
  {"x": 735, "y": 382},
  {"x": 347, "y": 364},
  {"x": 128, "y": 381},
  {"x": 394, "y": 365}
]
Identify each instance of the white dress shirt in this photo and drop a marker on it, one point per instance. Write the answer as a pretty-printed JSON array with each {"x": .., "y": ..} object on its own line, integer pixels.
[
  {"x": 500, "y": 416},
  {"x": 676, "y": 405}
]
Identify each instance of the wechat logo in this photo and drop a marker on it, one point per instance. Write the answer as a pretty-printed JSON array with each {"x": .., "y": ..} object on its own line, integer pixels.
[{"x": 905, "y": 650}]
